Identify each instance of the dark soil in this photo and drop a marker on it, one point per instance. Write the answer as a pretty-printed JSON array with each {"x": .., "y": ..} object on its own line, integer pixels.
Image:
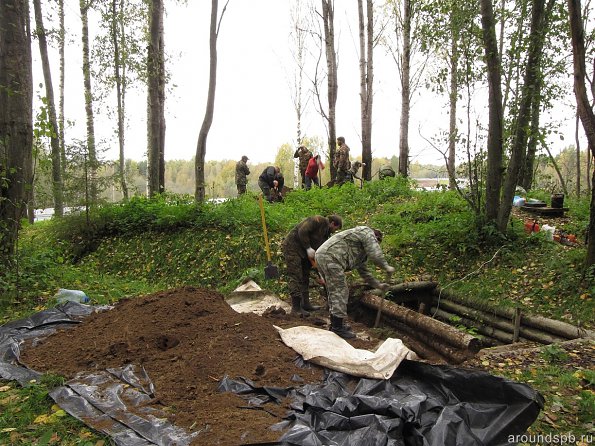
[{"x": 188, "y": 339}]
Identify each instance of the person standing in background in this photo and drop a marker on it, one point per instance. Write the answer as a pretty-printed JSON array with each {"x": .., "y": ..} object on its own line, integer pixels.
[
  {"x": 242, "y": 172},
  {"x": 304, "y": 155},
  {"x": 314, "y": 165},
  {"x": 342, "y": 162}
]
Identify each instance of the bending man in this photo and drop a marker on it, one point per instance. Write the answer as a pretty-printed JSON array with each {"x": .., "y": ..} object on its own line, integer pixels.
[
  {"x": 345, "y": 251},
  {"x": 299, "y": 247}
]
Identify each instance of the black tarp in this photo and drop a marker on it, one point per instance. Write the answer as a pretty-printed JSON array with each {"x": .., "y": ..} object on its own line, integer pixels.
[{"x": 420, "y": 405}]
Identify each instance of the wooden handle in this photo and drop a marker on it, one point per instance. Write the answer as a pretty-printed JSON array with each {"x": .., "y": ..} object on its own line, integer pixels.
[{"x": 264, "y": 228}]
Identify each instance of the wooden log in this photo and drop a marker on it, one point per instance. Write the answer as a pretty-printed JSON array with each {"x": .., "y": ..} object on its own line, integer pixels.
[
  {"x": 412, "y": 286},
  {"x": 486, "y": 330},
  {"x": 450, "y": 335},
  {"x": 555, "y": 327},
  {"x": 411, "y": 341},
  {"x": 482, "y": 317}
]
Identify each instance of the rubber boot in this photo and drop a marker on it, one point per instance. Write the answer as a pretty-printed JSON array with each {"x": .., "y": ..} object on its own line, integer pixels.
[
  {"x": 296, "y": 307},
  {"x": 306, "y": 305},
  {"x": 338, "y": 328}
]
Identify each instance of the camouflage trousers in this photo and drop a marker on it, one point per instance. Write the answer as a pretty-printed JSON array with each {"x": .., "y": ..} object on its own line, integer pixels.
[
  {"x": 336, "y": 285},
  {"x": 298, "y": 272},
  {"x": 241, "y": 189},
  {"x": 341, "y": 177}
]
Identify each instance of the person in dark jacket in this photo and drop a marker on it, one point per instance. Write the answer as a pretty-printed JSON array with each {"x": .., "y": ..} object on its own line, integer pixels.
[
  {"x": 269, "y": 180},
  {"x": 299, "y": 248},
  {"x": 242, "y": 172}
]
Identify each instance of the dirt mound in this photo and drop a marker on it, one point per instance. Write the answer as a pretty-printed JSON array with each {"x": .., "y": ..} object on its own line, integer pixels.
[{"x": 187, "y": 339}]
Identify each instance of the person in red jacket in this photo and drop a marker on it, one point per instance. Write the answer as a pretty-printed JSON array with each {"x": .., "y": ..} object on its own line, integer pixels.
[{"x": 311, "y": 175}]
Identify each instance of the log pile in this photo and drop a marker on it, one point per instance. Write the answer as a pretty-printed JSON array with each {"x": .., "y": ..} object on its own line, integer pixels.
[
  {"x": 432, "y": 332},
  {"x": 498, "y": 324}
]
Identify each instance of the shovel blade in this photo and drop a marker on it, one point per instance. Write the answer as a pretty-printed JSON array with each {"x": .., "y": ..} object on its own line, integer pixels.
[{"x": 271, "y": 271}]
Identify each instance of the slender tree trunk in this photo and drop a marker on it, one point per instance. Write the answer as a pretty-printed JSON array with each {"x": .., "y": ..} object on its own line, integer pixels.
[
  {"x": 577, "y": 142},
  {"x": 530, "y": 87},
  {"x": 452, "y": 98},
  {"x": 93, "y": 162},
  {"x": 16, "y": 121},
  {"x": 155, "y": 112},
  {"x": 201, "y": 146},
  {"x": 57, "y": 185},
  {"x": 116, "y": 20},
  {"x": 366, "y": 67},
  {"x": 495, "y": 129},
  {"x": 61, "y": 51},
  {"x": 328, "y": 18},
  {"x": 585, "y": 110},
  {"x": 405, "y": 90},
  {"x": 526, "y": 176}
]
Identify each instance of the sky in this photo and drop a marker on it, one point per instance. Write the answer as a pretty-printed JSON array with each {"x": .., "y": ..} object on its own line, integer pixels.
[{"x": 254, "y": 113}]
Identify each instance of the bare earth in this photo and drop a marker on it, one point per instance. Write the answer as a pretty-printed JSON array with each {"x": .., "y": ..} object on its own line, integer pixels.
[{"x": 188, "y": 339}]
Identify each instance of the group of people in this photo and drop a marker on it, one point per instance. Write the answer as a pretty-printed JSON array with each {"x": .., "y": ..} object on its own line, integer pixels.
[
  {"x": 311, "y": 244},
  {"x": 271, "y": 179}
]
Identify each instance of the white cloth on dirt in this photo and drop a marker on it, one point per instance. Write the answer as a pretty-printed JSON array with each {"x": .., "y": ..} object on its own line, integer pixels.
[{"x": 325, "y": 348}]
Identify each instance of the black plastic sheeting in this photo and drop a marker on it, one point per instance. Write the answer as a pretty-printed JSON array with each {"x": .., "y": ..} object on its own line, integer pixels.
[
  {"x": 110, "y": 401},
  {"x": 421, "y": 405}
]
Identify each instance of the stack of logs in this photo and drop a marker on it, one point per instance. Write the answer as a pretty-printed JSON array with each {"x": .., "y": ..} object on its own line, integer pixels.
[{"x": 433, "y": 336}]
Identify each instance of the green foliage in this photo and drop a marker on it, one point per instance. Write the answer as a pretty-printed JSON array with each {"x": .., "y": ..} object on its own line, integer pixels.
[{"x": 554, "y": 354}]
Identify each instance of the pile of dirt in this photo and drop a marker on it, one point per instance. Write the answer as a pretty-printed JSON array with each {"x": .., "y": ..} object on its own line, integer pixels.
[{"x": 187, "y": 340}]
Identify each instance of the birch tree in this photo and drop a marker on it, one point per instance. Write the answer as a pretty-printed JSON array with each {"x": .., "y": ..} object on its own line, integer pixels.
[
  {"x": 85, "y": 5},
  {"x": 57, "y": 184},
  {"x": 328, "y": 21}
]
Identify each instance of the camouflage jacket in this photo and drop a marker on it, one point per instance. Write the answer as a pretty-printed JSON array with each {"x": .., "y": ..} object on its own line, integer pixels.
[
  {"x": 304, "y": 156},
  {"x": 241, "y": 172},
  {"x": 351, "y": 249},
  {"x": 311, "y": 232},
  {"x": 342, "y": 158}
]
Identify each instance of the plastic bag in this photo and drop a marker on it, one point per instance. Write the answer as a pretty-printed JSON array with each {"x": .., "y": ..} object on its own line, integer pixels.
[{"x": 64, "y": 295}]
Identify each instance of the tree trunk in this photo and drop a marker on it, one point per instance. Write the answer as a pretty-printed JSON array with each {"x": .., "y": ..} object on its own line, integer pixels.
[
  {"x": 16, "y": 121},
  {"x": 526, "y": 176},
  {"x": 452, "y": 99},
  {"x": 57, "y": 184},
  {"x": 366, "y": 70},
  {"x": 201, "y": 146},
  {"x": 405, "y": 90},
  {"x": 62, "y": 46},
  {"x": 120, "y": 93},
  {"x": 93, "y": 162},
  {"x": 155, "y": 106},
  {"x": 585, "y": 111},
  {"x": 495, "y": 125},
  {"x": 328, "y": 18},
  {"x": 529, "y": 90},
  {"x": 418, "y": 321},
  {"x": 577, "y": 142}
]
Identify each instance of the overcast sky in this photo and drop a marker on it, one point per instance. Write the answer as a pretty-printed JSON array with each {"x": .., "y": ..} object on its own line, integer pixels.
[{"x": 254, "y": 113}]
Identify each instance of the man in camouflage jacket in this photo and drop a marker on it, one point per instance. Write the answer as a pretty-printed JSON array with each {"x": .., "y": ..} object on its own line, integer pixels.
[
  {"x": 304, "y": 155},
  {"x": 342, "y": 162},
  {"x": 241, "y": 172},
  {"x": 345, "y": 251},
  {"x": 299, "y": 247}
]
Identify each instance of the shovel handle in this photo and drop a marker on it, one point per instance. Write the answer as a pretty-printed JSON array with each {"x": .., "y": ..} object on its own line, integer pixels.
[{"x": 264, "y": 229}]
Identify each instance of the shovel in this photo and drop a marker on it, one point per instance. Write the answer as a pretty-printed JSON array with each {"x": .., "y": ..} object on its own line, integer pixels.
[{"x": 270, "y": 271}]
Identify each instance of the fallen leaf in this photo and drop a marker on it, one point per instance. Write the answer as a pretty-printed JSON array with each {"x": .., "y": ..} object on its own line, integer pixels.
[{"x": 5, "y": 388}]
